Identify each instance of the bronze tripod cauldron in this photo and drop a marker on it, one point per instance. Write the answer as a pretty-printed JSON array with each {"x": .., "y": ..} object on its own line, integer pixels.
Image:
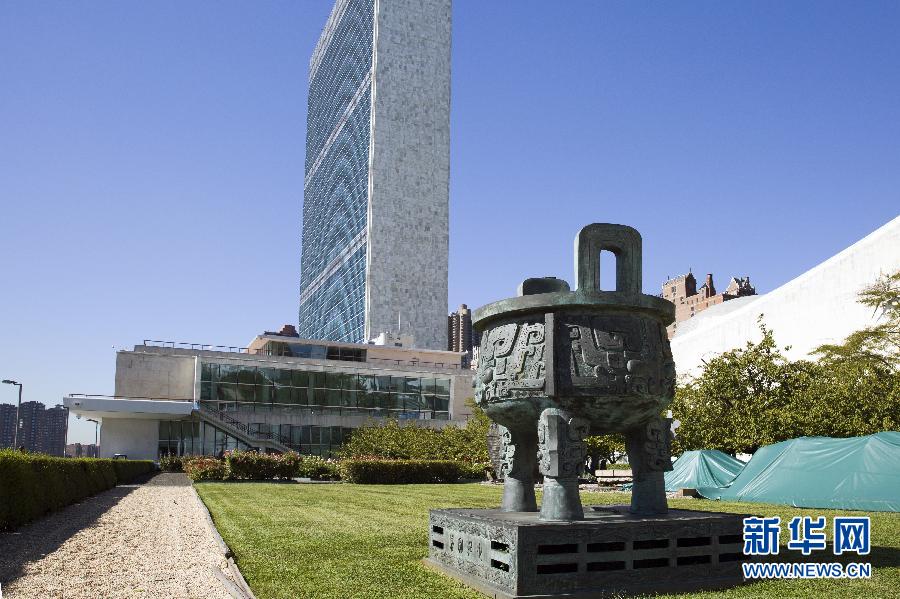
[{"x": 555, "y": 366}]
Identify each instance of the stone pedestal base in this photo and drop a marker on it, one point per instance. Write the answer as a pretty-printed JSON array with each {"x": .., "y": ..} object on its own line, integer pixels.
[{"x": 515, "y": 554}]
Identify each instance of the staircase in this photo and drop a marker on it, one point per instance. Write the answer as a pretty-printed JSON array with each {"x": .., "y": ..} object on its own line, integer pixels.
[{"x": 241, "y": 430}]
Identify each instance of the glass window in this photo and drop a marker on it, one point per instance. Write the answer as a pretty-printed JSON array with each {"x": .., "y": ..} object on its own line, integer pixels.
[
  {"x": 305, "y": 435},
  {"x": 397, "y": 384},
  {"x": 314, "y": 435},
  {"x": 247, "y": 375},
  {"x": 336, "y": 435},
  {"x": 427, "y": 385},
  {"x": 266, "y": 376},
  {"x": 350, "y": 381},
  {"x": 325, "y": 432},
  {"x": 383, "y": 383},
  {"x": 208, "y": 371},
  {"x": 317, "y": 352},
  {"x": 246, "y": 393},
  {"x": 206, "y": 391},
  {"x": 300, "y": 378},
  {"x": 299, "y": 396},
  {"x": 333, "y": 380},
  {"x": 366, "y": 382},
  {"x": 381, "y": 400},
  {"x": 319, "y": 397},
  {"x": 265, "y": 394},
  {"x": 163, "y": 430},
  {"x": 283, "y": 395},
  {"x": 442, "y": 386},
  {"x": 283, "y": 377},
  {"x": 229, "y": 373},
  {"x": 300, "y": 350},
  {"x": 412, "y": 385},
  {"x": 333, "y": 397},
  {"x": 318, "y": 379},
  {"x": 226, "y": 392}
]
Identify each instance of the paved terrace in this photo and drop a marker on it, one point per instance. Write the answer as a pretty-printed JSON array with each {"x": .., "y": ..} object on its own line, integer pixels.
[{"x": 146, "y": 540}]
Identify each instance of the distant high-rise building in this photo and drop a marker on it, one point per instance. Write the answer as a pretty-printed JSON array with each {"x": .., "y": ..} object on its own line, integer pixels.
[
  {"x": 56, "y": 421},
  {"x": 31, "y": 433},
  {"x": 7, "y": 425},
  {"x": 41, "y": 430},
  {"x": 376, "y": 188},
  {"x": 459, "y": 330},
  {"x": 79, "y": 450},
  {"x": 682, "y": 291}
]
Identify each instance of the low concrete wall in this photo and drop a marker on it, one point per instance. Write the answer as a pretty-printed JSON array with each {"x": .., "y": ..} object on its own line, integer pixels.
[{"x": 138, "y": 438}]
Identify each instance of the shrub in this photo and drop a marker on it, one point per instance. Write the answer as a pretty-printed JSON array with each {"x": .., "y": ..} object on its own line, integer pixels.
[
  {"x": 369, "y": 471},
  {"x": 32, "y": 485},
  {"x": 316, "y": 468},
  {"x": 252, "y": 465},
  {"x": 171, "y": 463},
  {"x": 203, "y": 468},
  {"x": 397, "y": 441}
]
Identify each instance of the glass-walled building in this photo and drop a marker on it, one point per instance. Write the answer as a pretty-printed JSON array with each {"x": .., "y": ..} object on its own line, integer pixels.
[
  {"x": 280, "y": 393},
  {"x": 376, "y": 184}
]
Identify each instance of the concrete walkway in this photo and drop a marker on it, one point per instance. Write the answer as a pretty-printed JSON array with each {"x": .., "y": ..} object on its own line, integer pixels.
[{"x": 148, "y": 540}]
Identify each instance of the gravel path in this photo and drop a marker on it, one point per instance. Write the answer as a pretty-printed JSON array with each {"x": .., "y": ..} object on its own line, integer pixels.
[{"x": 149, "y": 540}]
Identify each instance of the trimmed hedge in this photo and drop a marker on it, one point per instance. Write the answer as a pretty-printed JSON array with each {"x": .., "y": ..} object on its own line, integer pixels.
[
  {"x": 315, "y": 468},
  {"x": 251, "y": 465},
  {"x": 388, "y": 472},
  {"x": 32, "y": 485}
]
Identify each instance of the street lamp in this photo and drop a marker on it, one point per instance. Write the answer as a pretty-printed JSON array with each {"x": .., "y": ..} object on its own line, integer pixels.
[
  {"x": 96, "y": 440},
  {"x": 19, "y": 407}
]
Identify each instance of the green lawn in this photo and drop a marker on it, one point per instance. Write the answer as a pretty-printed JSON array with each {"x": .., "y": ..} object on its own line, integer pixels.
[{"x": 339, "y": 541}]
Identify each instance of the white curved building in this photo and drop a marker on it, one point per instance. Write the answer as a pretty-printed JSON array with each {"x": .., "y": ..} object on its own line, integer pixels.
[{"x": 820, "y": 306}]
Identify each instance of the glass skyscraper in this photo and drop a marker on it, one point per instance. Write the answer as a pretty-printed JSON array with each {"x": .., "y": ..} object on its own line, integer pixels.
[{"x": 376, "y": 198}]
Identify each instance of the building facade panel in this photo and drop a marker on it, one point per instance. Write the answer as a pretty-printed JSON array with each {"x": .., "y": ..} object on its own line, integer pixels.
[
  {"x": 409, "y": 202},
  {"x": 377, "y": 174}
]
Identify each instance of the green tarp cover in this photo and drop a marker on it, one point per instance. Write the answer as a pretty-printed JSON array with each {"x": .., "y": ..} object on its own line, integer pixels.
[
  {"x": 861, "y": 473},
  {"x": 703, "y": 468}
]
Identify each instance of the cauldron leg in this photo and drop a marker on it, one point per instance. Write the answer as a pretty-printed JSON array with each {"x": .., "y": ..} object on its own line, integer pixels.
[
  {"x": 519, "y": 455},
  {"x": 562, "y": 451},
  {"x": 649, "y": 452}
]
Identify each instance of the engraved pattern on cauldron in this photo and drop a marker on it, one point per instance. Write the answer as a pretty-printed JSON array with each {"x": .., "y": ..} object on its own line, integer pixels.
[
  {"x": 511, "y": 362},
  {"x": 615, "y": 355}
]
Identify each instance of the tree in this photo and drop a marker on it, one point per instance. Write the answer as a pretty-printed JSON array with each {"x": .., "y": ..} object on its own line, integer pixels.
[
  {"x": 755, "y": 396},
  {"x": 605, "y": 449},
  {"x": 877, "y": 345}
]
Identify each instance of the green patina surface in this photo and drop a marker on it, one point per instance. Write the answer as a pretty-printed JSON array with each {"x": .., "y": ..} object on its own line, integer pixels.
[{"x": 338, "y": 541}]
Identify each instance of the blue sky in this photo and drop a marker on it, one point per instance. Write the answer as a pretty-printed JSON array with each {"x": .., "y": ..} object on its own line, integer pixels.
[{"x": 151, "y": 157}]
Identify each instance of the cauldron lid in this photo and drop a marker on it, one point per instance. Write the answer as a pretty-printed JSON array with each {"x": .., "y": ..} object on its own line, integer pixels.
[{"x": 548, "y": 294}]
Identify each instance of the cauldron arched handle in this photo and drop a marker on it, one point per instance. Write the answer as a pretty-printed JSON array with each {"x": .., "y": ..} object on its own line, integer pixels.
[{"x": 621, "y": 240}]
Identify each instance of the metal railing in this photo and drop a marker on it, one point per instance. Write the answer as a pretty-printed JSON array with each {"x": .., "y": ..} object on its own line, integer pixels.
[
  {"x": 245, "y": 428},
  {"x": 263, "y": 351},
  {"x": 100, "y": 396},
  {"x": 198, "y": 346}
]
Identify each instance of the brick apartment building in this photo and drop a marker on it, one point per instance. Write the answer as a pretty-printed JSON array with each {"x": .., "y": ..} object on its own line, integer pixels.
[{"x": 689, "y": 300}]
